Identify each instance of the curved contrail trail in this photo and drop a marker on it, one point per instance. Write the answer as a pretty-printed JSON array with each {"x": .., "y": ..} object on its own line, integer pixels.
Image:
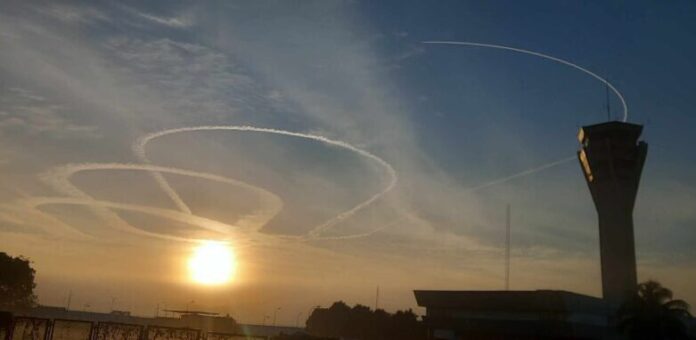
[
  {"x": 541, "y": 55},
  {"x": 20, "y": 215},
  {"x": 139, "y": 148},
  {"x": 202, "y": 222},
  {"x": 59, "y": 179}
]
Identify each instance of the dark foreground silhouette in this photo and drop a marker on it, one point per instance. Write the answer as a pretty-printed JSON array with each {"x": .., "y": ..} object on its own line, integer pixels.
[
  {"x": 16, "y": 282},
  {"x": 361, "y": 322},
  {"x": 652, "y": 314}
]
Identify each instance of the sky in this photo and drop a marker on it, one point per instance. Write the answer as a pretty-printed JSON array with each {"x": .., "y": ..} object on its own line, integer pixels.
[{"x": 332, "y": 149}]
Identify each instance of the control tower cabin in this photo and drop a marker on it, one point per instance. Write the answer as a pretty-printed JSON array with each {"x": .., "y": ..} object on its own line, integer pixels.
[{"x": 612, "y": 160}]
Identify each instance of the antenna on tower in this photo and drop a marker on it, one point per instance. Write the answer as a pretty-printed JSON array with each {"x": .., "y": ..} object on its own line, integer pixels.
[
  {"x": 607, "y": 99},
  {"x": 377, "y": 299},
  {"x": 507, "y": 248}
]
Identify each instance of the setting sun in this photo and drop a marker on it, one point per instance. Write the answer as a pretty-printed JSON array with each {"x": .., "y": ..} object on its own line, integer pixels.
[{"x": 212, "y": 263}]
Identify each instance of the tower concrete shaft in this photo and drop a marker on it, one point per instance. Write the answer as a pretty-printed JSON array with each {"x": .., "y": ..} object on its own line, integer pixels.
[{"x": 612, "y": 160}]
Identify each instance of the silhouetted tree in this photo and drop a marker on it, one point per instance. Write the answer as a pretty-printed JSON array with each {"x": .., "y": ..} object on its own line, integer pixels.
[
  {"x": 360, "y": 322},
  {"x": 652, "y": 314},
  {"x": 16, "y": 282}
]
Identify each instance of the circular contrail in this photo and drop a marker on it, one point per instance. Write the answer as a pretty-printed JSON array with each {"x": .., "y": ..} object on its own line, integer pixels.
[
  {"x": 20, "y": 214},
  {"x": 548, "y": 57},
  {"x": 174, "y": 215},
  {"x": 59, "y": 179},
  {"x": 545, "y": 56},
  {"x": 139, "y": 148}
]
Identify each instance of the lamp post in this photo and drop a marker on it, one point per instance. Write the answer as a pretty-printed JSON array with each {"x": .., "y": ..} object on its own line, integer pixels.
[
  {"x": 275, "y": 313},
  {"x": 297, "y": 320}
]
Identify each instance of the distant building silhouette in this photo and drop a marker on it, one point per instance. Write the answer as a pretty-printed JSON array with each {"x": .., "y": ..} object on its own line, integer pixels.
[
  {"x": 535, "y": 314},
  {"x": 612, "y": 160}
]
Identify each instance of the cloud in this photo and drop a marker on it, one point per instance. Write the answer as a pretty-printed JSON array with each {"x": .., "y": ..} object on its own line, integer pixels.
[
  {"x": 182, "y": 21},
  {"x": 69, "y": 14},
  {"x": 25, "y": 112}
]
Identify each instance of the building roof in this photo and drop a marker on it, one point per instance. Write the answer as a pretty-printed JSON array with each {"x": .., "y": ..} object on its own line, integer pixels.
[
  {"x": 509, "y": 301},
  {"x": 615, "y": 129}
]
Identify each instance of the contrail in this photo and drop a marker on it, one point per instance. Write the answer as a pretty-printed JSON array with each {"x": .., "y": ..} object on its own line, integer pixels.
[
  {"x": 202, "y": 222},
  {"x": 59, "y": 179},
  {"x": 352, "y": 236},
  {"x": 522, "y": 174},
  {"x": 139, "y": 148},
  {"x": 545, "y": 56},
  {"x": 20, "y": 215}
]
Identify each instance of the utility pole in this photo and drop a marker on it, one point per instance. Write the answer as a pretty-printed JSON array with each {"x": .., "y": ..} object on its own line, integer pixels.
[
  {"x": 507, "y": 248},
  {"x": 608, "y": 102},
  {"x": 67, "y": 307},
  {"x": 377, "y": 298},
  {"x": 275, "y": 313},
  {"x": 297, "y": 320}
]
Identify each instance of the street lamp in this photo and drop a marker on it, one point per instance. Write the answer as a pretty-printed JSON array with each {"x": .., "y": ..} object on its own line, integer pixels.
[
  {"x": 297, "y": 320},
  {"x": 275, "y": 312}
]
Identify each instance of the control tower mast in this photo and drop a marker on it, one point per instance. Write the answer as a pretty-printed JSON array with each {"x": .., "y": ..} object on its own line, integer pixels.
[{"x": 612, "y": 160}]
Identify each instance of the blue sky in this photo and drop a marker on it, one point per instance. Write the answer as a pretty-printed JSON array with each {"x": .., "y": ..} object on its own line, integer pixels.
[{"x": 81, "y": 83}]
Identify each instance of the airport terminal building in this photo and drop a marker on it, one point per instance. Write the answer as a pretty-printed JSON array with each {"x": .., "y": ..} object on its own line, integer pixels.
[{"x": 535, "y": 314}]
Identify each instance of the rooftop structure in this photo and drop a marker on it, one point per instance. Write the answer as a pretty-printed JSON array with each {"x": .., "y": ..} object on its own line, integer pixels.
[{"x": 534, "y": 314}]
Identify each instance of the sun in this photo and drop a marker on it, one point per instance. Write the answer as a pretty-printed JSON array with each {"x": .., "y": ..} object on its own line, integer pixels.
[{"x": 212, "y": 263}]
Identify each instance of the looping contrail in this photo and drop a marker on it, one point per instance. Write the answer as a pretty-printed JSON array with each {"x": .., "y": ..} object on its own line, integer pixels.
[
  {"x": 548, "y": 57},
  {"x": 545, "y": 56},
  {"x": 59, "y": 179},
  {"x": 211, "y": 225},
  {"x": 139, "y": 148}
]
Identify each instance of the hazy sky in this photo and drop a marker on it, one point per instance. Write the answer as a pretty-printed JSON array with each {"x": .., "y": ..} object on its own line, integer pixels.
[{"x": 81, "y": 85}]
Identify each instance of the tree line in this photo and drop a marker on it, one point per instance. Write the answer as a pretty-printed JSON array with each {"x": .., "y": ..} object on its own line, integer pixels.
[{"x": 361, "y": 322}]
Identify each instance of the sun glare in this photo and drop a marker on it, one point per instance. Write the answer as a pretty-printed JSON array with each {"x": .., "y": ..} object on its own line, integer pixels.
[{"x": 212, "y": 263}]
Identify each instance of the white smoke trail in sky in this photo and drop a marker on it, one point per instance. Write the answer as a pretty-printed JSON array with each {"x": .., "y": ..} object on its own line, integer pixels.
[
  {"x": 352, "y": 236},
  {"x": 22, "y": 215},
  {"x": 548, "y": 57},
  {"x": 541, "y": 55},
  {"x": 139, "y": 149},
  {"x": 174, "y": 215},
  {"x": 522, "y": 174},
  {"x": 59, "y": 179}
]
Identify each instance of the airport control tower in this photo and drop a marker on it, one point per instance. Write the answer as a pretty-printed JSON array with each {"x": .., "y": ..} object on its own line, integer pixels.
[{"x": 612, "y": 160}]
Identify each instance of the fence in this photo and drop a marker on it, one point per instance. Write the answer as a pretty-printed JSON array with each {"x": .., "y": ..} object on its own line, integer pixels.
[{"x": 30, "y": 328}]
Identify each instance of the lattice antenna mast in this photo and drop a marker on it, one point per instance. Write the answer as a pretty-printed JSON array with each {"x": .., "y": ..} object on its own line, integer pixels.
[
  {"x": 608, "y": 101},
  {"x": 507, "y": 248}
]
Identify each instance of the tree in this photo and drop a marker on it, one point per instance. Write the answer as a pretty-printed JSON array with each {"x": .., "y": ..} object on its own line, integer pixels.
[
  {"x": 361, "y": 322},
  {"x": 652, "y": 314},
  {"x": 16, "y": 282}
]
